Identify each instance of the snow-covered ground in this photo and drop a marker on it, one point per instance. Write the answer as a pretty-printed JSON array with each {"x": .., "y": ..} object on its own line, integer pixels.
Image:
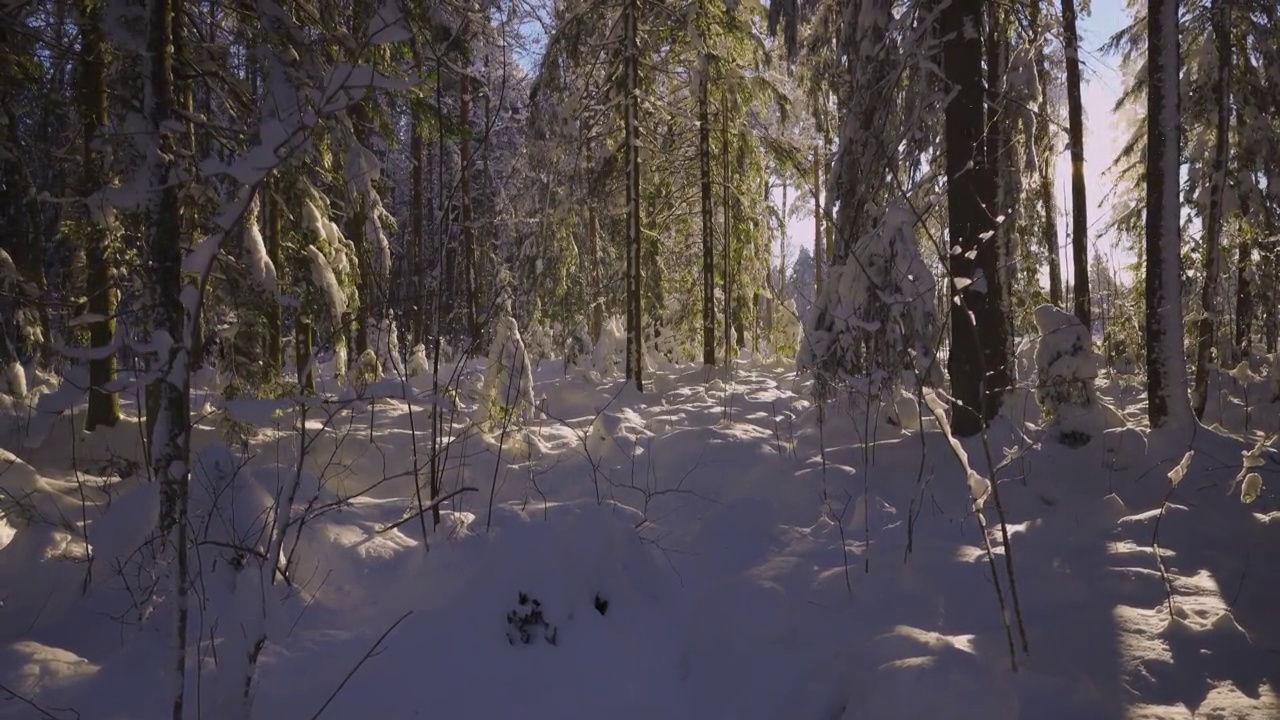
[{"x": 707, "y": 549}]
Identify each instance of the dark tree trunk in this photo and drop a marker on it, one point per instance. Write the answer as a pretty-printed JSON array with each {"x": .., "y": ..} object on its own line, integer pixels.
[
  {"x": 1166, "y": 365},
  {"x": 417, "y": 266},
  {"x": 104, "y": 403},
  {"x": 302, "y": 354},
  {"x": 1045, "y": 155},
  {"x": 978, "y": 361},
  {"x": 169, "y": 439},
  {"x": 727, "y": 232},
  {"x": 631, "y": 120},
  {"x": 274, "y": 213},
  {"x": 1206, "y": 328},
  {"x": 1269, "y": 259},
  {"x": 818, "y": 254},
  {"x": 484, "y": 280},
  {"x": 708, "y": 223},
  {"x": 365, "y": 309},
  {"x": 998, "y": 143},
  {"x": 1079, "y": 203},
  {"x": 468, "y": 228},
  {"x": 596, "y": 319},
  {"x": 1244, "y": 271}
]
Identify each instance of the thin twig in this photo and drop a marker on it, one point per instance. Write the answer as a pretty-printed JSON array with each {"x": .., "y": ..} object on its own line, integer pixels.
[
  {"x": 426, "y": 508},
  {"x": 373, "y": 649},
  {"x": 32, "y": 704}
]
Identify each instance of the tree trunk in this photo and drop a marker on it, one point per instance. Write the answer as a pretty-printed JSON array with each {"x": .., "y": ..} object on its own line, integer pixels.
[
  {"x": 1244, "y": 269},
  {"x": 357, "y": 224},
  {"x": 978, "y": 361},
  {"x": 830, "y": 240},
  {"x": 1209, "y": 292},
  {"x": 727, "y": 232},
  {"x": 1269, "y": 259},
  {"x": 484, "y": 279},
  {"x": 1045, "y": 153},
  {"x": 1167, "y": 402},
  {"x": 302, "y": 354},
  {"x": 818, "y": 255},
  {"x": 596, "y": 319},
  {"x": 104, "y": 403},
  {"x": 782, "y": 241},
  {"x": 998, "y": 143},
  {"x": 1244, "y": 294},
  {"x": 468, "y": 230},
  {"x": 417, "y": 267},
  {"x": 708, "y": 222},
  {"x": 169, "y": 439},
  {"x": 631, "y": 120},
  {"x": 1079, "y": 203},
  {"x": 275, "y": 227}
]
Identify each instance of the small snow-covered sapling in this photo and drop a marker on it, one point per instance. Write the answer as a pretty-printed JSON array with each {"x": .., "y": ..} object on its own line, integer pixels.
[
  {"x": 526, "y": 620},
  {"x": 1066, "y": 366}
]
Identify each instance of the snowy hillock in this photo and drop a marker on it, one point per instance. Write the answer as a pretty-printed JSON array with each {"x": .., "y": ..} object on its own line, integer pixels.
[{"x": 702, "y": 549}]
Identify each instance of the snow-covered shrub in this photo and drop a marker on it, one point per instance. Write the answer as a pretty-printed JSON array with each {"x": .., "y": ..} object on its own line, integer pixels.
[
  {"x": 340, "y": 360},
  {"x": 661, "y": 350},
  {"x": 612, "y": 345},
  {"x": 243, "y": 324},
  {"x": 330, "y": 263},
  {"x": 225, "y": 364},
  {"x": 526, "y": 623},
  {"x": 384, "y": 340},
  {"x": 577, "y": 345},
  {"x": 875, "y": 315},
  {"x": 367, "y": 370},
  {"x": 418, "y": 362},
  {"x": 508, "y": 383},
  {"x": 1066, "y": 367},
  {"x": 254, "y": 255},
  {"x": 539, "y": 343}
]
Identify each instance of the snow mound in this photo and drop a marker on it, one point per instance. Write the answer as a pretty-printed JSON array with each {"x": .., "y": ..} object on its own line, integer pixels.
[
  {"x": 37, "y": 668},
  {"x": 14, "y": 381}
]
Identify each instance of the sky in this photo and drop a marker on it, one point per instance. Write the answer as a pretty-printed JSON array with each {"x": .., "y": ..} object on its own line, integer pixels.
[{"x": 1100, "y": 89}]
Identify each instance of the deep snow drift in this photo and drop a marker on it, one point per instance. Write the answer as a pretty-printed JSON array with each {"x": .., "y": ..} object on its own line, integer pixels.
[{"x": 707, "y": 549}]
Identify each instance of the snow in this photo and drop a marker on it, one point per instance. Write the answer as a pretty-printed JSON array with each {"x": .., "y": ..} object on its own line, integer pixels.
[
  {"x": 261, "y": 269},
  {"x": 508, "y": 383},
  {"x": 1067, "y": 367},
  {"x": 1180, "y": 470},
  {"x": 419, "y": 365},
  {"x": 389, "y": 24},
  {"x": 877, "y": 307},
  {"x": 1250, "y": 488},
  {"x": 773, "y": 566},
  {"x": 14, "y": 381},
  {"x": 323, "y": 276},
  {"x": 609, "y": 348}
]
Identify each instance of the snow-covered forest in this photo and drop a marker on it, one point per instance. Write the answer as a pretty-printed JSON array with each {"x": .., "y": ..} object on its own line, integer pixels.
[{"x": 390, "y": 359}]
